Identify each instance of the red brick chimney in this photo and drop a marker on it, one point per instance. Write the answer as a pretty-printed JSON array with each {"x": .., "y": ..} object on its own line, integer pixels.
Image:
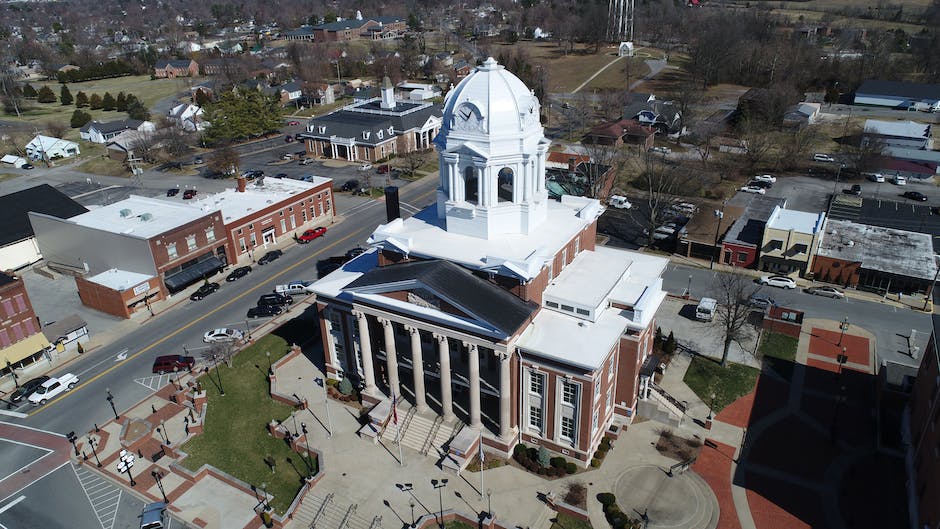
[
  {"x": 240, "y": 181},
  {"x": 572, "y": 164}
]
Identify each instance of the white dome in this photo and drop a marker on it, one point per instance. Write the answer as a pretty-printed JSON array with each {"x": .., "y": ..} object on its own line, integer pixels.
[{"x": 501, "y": 104}]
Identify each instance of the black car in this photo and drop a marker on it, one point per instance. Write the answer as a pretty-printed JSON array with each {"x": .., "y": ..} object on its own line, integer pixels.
[
  {"x": 761, "y": 184},
  {"x": 270, "y": 256},
  {"x": 275, "y": 299},
  {"x": 172, "y": 192},
  {"x": 280, "y": 175},
  {"x": 204, "y": 291},
  {"x": 355, "y": 252},
  {"x": 238, "y": 273},
  {"x": 350, "y": 185},
  {"x": 262, "y": 311},
  {"x": 915, "y": 195},
  {"x": 26, "y": 166},
  {"x": 27, "y": 388}
]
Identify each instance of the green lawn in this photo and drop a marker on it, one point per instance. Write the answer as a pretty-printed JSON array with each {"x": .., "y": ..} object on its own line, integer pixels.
[
  {"x": 457, "y": 524},
  {"x": 777, "y": 345},
  {"x": 564, "y": 521},
  {"x": 706, "y": 376},
  {"x": 236, "y": 439}
]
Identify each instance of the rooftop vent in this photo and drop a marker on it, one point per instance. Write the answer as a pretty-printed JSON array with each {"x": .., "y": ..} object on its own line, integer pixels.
[
  {"x": 146, "y": 216},
  {"x": 125, "y": 213}
]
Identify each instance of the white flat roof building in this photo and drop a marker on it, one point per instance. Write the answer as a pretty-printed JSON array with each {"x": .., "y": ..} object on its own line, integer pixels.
[
  {"x": 236, "y": 205},
  {"x": 140, "y": 217},
  {"x": 798, "y": 221}
]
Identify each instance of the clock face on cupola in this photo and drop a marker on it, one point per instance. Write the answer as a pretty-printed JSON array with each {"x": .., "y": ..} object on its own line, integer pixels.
[{"x": 468, "y": 117}]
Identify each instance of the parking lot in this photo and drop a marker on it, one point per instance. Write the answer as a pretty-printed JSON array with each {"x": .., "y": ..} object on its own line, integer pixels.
[{"x": 705, "y": 338}]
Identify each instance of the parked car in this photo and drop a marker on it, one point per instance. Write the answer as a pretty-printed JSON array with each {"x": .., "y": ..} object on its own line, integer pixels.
[
  {"x": 289, "y": 139},
  {"x": 915, "y": 195},
  {"x": 819, "y": 157},
  {"x": 384, "y": 168},
  {"x": 292, "y": 123},
  {"x": 170, "y": 363},
  {"x": 349, "y": 185},
  {"x": 778, "y": 281},
  {"x": 204, "y": 291},
  {"x": 686, "y": 208},
  {"x": 198, "y": 160},
  {"x": 172, "y": 192},
  {"x": 264, "y": 311},
  {"x": 899, "y": 180},
  {"x": 287, "y": 156},
  {"x": 222, "y": 335},
  {"x": 153, "y": 516},
  {"x": 53, "y": 387},
  {"x": 661, "y": 150},
  {"x": 293, "y": 288},
  {"x": 27, "y": 388},
  {"x": 269, "y": 257},
  {"x": 765, "y": 178},
  {"x": 753, "y": 189},
  {"x": 310, "y": 235},
  {"x": 876, "y": 177},
  {"x": 354, "y": 252},
  {"x": 829, "y": 292},
  {"x": 238, "y": 273},
  {"x": 306, "y": 178},
  {"x": 275, "y": 299},
  {"x": 189, "y": 193},
  {"x": 854, "y": 190},
  {"x": 619, "y": 202},
  {"x": 304, "y": 161},
  {"x": 280, "y": 175},
  {"x": 761, "y": 184},
  {"x": 760, "y": 301},
  {"x": 365, "y": 167}
]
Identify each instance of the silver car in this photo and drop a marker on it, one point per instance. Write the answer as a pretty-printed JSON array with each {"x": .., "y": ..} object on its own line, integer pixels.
[{"x": 829, "y": 292}]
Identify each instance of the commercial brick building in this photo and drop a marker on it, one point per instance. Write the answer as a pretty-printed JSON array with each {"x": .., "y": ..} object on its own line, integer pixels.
[
  {"x": 21, "y": 342},
  {"x": 923, "y": 457}
]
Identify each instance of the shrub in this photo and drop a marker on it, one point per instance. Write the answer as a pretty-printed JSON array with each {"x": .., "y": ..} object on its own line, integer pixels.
[
  {"x": 79, "y": 119},
  {"x": 557, "y": 462},
  {"x": 345, "y": 387},
  {"x": 520, "y": 450},
  {"x": 544, "y": 458},
  {"x": 332, "y": 382},
  {"x": 576, "y": 494},
  {"x": 570, "y": 467},
  {"x": 595, "y": 463},
  {"x": 606, "y": 498},
  {"x": 669, "y": 347},
  {"x": 606, "y": 443},
  {"x": 600, "y": 454},
  {"x": 45, "y": 95}
]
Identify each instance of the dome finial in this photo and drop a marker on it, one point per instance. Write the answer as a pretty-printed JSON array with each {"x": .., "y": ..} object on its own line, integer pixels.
[{"x": 489, "y": 64}]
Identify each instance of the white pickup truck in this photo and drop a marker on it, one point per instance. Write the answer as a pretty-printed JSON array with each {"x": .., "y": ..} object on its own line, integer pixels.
[{"x": 53, "y": 387}]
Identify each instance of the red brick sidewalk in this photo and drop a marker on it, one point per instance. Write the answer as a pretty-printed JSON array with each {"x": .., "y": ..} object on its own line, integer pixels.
[{"x": 714, "y": 466}]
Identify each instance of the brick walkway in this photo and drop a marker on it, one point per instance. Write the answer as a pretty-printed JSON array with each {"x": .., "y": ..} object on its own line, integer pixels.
[{"x": 714, "y": 465}]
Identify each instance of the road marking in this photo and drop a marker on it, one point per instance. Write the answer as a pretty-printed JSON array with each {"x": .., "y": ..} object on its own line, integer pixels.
[
  {"x": 153, "y": 383},
  {"x": 198, "y": 320},
  {"x": 107, "y": 496},
  {"x": 121, "y": 356},
  {"x": 27, "y": 465},
  {"x": 16, "y": 414},
  {"x": 8, "y": 506},
  {"x": 34, "y": 481},
  {"x": 15, "y": 425}
]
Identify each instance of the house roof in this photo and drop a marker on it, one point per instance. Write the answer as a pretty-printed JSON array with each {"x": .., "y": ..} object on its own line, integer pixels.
[
  {"x": 353, "y": 120},
  {"x": 107, "y": 127},
  {"x": 6, "y": 279},
  {"x": 456, "y": 285},
  {"x": 749, "y": 228},
  {"x": 14, "y": 221},
  {"x": 906, "y": 216},
  {"x": 899, "y": 252},
  {"x": 899, "y": 89},
  {"x": 175, "y": 63},
  {"x": 61, "y": 328},
  {"x": 302, "y": 31},
  {"x": 48, "y": 143},
  {"x": 341, "y": 25}
]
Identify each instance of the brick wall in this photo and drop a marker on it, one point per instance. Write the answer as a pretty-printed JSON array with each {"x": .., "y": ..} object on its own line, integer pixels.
[
  {"x": 17, "y": 319},
  {"x": 114, "y": 302},
  {"x": 925, "y": 437}
]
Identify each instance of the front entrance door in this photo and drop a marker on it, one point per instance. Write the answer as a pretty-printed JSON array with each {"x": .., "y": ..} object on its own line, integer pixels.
[{"x": 267, "y": 237}]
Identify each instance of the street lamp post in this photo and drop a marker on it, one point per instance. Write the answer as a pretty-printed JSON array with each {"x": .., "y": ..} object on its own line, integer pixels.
[
  {"x": 844, "y": 326},
  {"x": 412, "y": 504},
  {"x": 840, "y": 398},
  {"x": 72, "y": 438},
  {"x": 13, "y": 374},
  {"x": 439, "y": 485},
  {"x": 94, "y": 450},
  {"x": 838, "y": 174},
  {"x": 489, "y": 502},
  {"x": 270, "y": 367},
  {"x": 157, "y": 477},
  {"x": 110, "y": 398},
  {"x": 125, "y": 462}
]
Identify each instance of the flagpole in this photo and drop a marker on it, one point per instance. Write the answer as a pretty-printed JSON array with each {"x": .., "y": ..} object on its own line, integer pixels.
[{"x": 481, "y": 466}]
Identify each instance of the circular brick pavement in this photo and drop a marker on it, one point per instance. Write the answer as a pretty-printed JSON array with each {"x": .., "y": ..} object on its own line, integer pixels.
[{"x": 683, "y": 501}]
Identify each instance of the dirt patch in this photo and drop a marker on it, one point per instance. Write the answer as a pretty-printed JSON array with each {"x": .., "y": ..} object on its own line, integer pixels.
[{"x": 677, "y": 447}]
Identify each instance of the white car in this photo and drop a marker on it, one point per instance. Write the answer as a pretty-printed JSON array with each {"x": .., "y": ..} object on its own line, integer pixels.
[
  {"x": 753, "y": 189},
  {"x": 823, "y": 158},
  {"x": 686, "y": 208},
  {"x": 619, "y": 202},
  {"x": 900, "y": 181},
  {"x": 877, "y": 177},
  {"x": 365, "y": 167},
  {"x": 53, "y": 387},
  {"x": 765, "y": 178},
  {"x": 778, "y": 281},
  {"x": 661, "y": 150},
  {"x": 223, "y": 335}
]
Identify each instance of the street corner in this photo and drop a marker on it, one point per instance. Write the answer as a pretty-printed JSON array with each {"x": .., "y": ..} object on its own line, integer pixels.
[{"x": 29, "y": 455}]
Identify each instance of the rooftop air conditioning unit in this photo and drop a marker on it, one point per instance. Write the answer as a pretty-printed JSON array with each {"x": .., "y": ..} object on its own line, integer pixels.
[
  {"x": 125, "y": 213},
  {"x": 146, "y": 216}
]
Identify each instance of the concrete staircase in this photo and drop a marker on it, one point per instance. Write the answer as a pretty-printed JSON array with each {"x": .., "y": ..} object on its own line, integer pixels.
[
  {"x": 424, "y": 433},
  {"x": 317, "y": 512}
]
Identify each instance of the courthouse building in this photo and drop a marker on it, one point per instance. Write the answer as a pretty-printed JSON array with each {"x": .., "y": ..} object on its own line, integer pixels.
[{"x": 493, "y": 311}]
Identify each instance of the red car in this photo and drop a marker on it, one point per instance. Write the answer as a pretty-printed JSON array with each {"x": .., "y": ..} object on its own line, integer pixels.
[
  {"x": 310, "y": 235},
  {"x": 189, "y": 193},
  {"x": 292, "y": 123}
]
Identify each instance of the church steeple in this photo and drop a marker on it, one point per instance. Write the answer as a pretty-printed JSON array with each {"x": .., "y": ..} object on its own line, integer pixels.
[{"x": 388, "y": 94}]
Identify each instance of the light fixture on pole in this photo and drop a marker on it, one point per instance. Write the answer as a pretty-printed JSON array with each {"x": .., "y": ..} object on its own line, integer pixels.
[
  {"x": 110, "y": 398},
  {"x": 124, "y": 464},
  {"x": 439, "y": 484},
  {"x": 719, "y": 214},
  {"x": 158, "y": 478},
  {"x": 94, "y": 445}
]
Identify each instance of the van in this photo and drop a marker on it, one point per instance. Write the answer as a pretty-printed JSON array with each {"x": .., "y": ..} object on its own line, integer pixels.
[
  {"x": 705, "y": 311},
  {"x": 153, "y": 516},
  {"x": 170, "y": 363},
  {"x": 292, "y": 288},
  {"x": 619, "y": 202}
]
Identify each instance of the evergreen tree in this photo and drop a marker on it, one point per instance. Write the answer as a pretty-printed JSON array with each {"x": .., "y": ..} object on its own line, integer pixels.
[
  {"x": 545, "y": 459},
  {"x": 121, "y": 102},
  {"x": 242, "y": 114},
  {"x": 345, "y": 386},
  {"x": 137, "y": 110},
  {"x": 45, "y": 95},
  {"x": 95, "y": 102},
  {"x": 108, "y": 102},
  {"x": 79, "y": 118},
  {"x": 81, "y": 100},
  {"x": 29, "y": 92},
  {"x": 65, "y": 95},
  {"x": 202, "y": 98},
  {"x": 669, "y": 347}
]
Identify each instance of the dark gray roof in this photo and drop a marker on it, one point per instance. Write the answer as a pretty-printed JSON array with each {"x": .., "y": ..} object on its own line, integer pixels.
[
  {"x": 107, "y": 127},
  {"x": 60, "y": 329},
  {"x": 749, "y": 227},
  {"x": 457, "y": 286},
  {"x": 899, "y": 89},
  {"x": 352, "y": 123},
  {"x": 341, "y": 25},
  {"x": 6, "y": 278},
  {"x": 14, "y": 221},
  {"x": 176, "y": 63},
  {"x": 302, "y": 31}
]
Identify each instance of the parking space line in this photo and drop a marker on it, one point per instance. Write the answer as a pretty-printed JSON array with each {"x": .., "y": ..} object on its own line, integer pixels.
[
  {"x": 8, "y": 506},
  {"x": 16, "y": 414},
  {"x": 153, "y": 383}
]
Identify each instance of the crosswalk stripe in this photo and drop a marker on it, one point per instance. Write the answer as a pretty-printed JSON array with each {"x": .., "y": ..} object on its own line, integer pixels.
[{"x": 104, "y": 500}]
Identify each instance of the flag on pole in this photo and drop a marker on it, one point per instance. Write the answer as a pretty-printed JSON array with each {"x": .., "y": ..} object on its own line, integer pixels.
[{"x": 395, "y": 408}]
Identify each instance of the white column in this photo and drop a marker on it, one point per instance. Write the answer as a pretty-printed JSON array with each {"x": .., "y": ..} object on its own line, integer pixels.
[
  {"x": 333, "y": 149},
  {"x": 529, "y": 180},
  {"x": 331, "y": 349},
  {"x": 474, "y": 355},
  {"x": 483, "y": 188},
  {"x": 505, "y": 395},
  {"x": 443, "y": 352},
  {"x": 365, "y": 349},
  {"x": 417, "y": 369},
  {"x": 391, "y": 358}
]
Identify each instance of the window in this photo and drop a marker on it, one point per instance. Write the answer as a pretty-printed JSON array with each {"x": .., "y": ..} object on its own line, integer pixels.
[
  {"x": 584, "y": 312},
  {"x": 171, "y": 251},
  {"x": 283, "y": 226},
  {"x": 610, "y": 369},
  {"x": 190, "y": 242},
  {"x": 20, "y": 303},
  {"x": 597, "y": 389},
  {"x": 577, "y": 245},
  {"x": 594, "y": 420},
  {"x": 470, "y": 185},
  {"x": 380, "y": 134},
  {"x": 321, "y": 129},
  {"x": 568, "y": 308},
  {"x": 799, "y": 248},
  {"x": 567, "y": 428},
  {"x": 551, "y": 304},
  {"x": 366, "y": 134},
  {"x": 569, "y": 393},
  {"x": 551, "y": 270},
  {"x": 251, "y": 226},
  {"x": 535, "y": 417},
  {"x": 239, "y": 231},
  {"x": 536, "y": 383},
  {"x": 210, "y": 234},
  {"x": 564, "y": 257},
  {"x": 505, "y": 184},
  {"x": 241, "y": 244},
  {"x": 254, "y": 240}
]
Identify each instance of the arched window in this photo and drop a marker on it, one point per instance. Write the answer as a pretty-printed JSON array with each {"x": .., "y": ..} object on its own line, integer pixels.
[
  {"x": 471, "y": 185},
  {"x": 506, "y": 182}
]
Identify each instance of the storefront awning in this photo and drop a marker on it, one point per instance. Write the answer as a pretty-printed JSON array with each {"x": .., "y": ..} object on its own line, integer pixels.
[
  {"x": 23, "y": 349},
  {"x": 190, "y": 275}
]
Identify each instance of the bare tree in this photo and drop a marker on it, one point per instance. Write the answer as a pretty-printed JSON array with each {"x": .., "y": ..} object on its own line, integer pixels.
[
  {"x": 702, "y": 136},
  {"x": 606, "y": 165},
  {"x": 145, "y": 147},
  {"x": 757, "y": 138},
  {"x": 56, "y": 129},
  {"x": 224, "y": 160},
  {"x": 412, "y": 161},
  {"x": 662, "y": 184},
  {"x": 732, "y": 290},
  {"x": 795, "y": 145},
  {"x": 220, "y": 352}
]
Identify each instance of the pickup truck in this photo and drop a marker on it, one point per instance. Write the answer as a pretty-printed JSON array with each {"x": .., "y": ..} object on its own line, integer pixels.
[{"x": 53, "y": 387}]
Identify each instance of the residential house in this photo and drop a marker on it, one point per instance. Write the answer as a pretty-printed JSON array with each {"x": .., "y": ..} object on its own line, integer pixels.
[
  {"x": 319, "y": 95},
  {"x": 462, "y": 68},
  {"x": 374, "y": 28},
  {"x": 374, "y": 129},
  {"x": 899, "y": 94},
  {"x": 647, "y": 110},
  {"x": 485, "y": 30},
  {"x": 48, "y": 148},
  {"x": 172, "y": 68},
  {"x": 620, "y": 132},
  {"x": 790, "y": 241},
  {"x": 290, "y": 92},
  {"x": 875, "y": 258},
  {"x": 444, "y": 58},
  {"x": 122, "y": 146},
  {"x": 801, "y": 115},
  {"x": 21, "y": 342},
  {"x": 18, "y": 247},
  {"x": 103, "y": 131},
  {"x": 188, "y": 117}
]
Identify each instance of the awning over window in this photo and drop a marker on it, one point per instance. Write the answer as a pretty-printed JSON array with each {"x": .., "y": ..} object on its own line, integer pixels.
[
  {"x": 23, "y": 349},
  {"x": 190, "y": 275}
]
